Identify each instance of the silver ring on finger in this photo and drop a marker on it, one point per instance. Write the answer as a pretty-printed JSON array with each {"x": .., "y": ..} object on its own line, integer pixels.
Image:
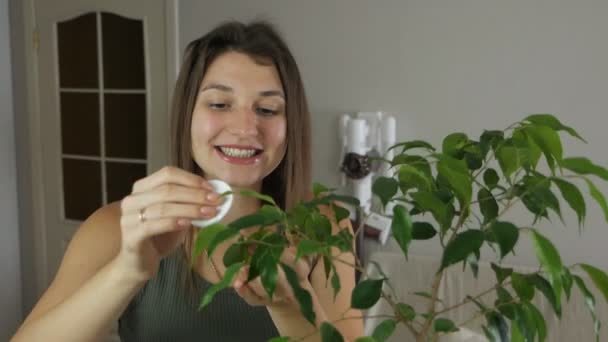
[{"x": 142, "y": 215}]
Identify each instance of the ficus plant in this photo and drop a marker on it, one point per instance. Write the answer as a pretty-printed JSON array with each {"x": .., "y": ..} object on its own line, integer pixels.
[{"x": 458, "y": 197}]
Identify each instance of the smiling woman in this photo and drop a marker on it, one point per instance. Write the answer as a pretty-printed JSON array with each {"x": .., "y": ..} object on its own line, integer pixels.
[{"x": 239, "y": 115}]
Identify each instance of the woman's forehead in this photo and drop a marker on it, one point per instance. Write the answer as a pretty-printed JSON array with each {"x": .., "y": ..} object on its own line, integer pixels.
[{"x": 236, "y": 70}]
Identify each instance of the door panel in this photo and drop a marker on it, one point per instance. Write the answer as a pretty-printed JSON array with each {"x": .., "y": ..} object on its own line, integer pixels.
[{"x": 102, "y": 85}]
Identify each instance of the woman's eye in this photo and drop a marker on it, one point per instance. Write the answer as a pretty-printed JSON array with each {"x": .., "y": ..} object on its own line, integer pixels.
[
  {"x": 218, "y": 106},
  {"x": 267, "y": 111}
]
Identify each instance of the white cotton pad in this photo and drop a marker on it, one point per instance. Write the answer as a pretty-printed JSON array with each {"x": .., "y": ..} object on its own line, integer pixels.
[{"x": 220, "y": 187}]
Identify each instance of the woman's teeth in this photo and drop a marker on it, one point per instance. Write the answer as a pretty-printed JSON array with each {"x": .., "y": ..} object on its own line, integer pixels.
[{"x": 237, "y": 152}]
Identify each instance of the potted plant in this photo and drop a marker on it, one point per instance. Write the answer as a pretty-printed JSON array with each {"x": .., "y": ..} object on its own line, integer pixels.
[{"x": 457, "y": 196}]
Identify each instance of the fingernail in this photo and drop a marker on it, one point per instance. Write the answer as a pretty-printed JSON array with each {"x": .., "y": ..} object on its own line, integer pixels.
[
  {"x": 183, "y": 222},
  {"x": 212, "y": 196},
  {"x": 207, "y": 186},
  {"x": 206, "y": 211}
]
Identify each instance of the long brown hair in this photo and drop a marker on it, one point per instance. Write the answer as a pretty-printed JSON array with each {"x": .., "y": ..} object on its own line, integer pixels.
[{"x": 290, "y": 182}]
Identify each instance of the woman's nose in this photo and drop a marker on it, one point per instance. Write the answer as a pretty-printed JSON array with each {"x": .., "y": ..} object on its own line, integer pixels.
[{"x": 245, "y": 122}]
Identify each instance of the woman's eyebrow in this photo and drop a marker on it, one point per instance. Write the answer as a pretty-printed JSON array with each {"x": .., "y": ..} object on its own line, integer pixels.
[
  {"x": 272, "y": 93},
  {"x": 217, "y": 86},
  {"x": 225, "y": 88}
]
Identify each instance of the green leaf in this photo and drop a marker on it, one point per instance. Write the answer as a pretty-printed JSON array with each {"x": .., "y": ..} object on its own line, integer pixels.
[
  {"x": 318, "y": 188},
  {"x": 204, "y": 237},
  {"x": 516, "y": 335},
  {"x": 549, "y": 142},
  {"x": 553, "y": 123},
  {"x": 428, "y": 201},
  {"x": 365, "y": 339},
  {"x": 385, "y": 188},
  {"x": 487, "y": 205},
  {"x": 453, "y": 145},
  {"x": 343, "y": 240},
  {"x": 573, "y": 197},
  {"x": 599, "y": 277},
  {"x": 584, "y": 166},
  {"x": 457, "y": 175},
  {"x": 384, "y": 330},
  {"x": 340, "y": 212},
  {"x": 407, "y": 145},
  {"x": 328, "y": 199},
  {"x": 528, "y": 151},
  {"x": 473, "y": 261},
  {"x": 366, "y": 293},
  {"x": 417, "y": 162},
  {"x": 279, "y": 339},
  {"x": 506, "y": 235},
  {"x": 461, "y": 246},
  {"x": 309, "y": 247},
  {"x": 551, "y": 262},
  {"x": 497, "y": 327},
  {"x": 490, "y": 139},
  {"x": 598, "y": 197},
  {"x": 589, "y": 301},
  {"x": 222, "y": 284},
  {"x": 501, "y": 273},
  {"x": 522, "y": 287},
  {"x": 423, "y": 294},
  {"x": 412, "y": 178},
  {"x": 302, "y": 296},
  {"x": 330, "y": 334},
  {"x": 401, "y": 226},
  {"x": 318, "y": 226},
  {"x": 444, "y": 325},
  {"x": 235, "y": 253},
  {"x": 539, "y": 320},
  {"x": 545, "y": 287},
  {"x": 423, "y": 231},
  {"x": 335, "y": 281},
  {"x": 508, "y": 159},
  {"x": 269, "y": 274},
  {"x": 567, "y": 281},
  {"x": 406, "y": 311},
  {"x": 525, "y": 322},
  {"x": 504, "y": 305},
  {"x": 490, "y": 178},
  {"x": 259, "y": 196}
]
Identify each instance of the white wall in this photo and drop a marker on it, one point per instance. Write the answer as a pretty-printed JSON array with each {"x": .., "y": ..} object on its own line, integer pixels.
[
  {"x": 10, "y": 268},
  {"x": 444, "y": 66}
]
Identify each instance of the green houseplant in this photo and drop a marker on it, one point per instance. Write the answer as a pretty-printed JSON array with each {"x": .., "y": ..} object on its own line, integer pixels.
[{"x": 457, "y": 196}]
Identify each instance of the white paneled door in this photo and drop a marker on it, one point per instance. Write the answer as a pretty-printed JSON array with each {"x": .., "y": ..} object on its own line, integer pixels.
[{"x": 101, "y": 108}]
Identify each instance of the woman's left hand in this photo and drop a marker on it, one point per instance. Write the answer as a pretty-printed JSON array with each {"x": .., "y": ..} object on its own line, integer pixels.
[{"x": 253, "y": 292}]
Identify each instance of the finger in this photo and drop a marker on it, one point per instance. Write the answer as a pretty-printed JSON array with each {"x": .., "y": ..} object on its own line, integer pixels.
[
  {"x": 172, "y": 175},
  {"x": 178, "y": 210},
  {"x": 250, "y": 296},
  {"x": 302, "y": 266},
  {"x": 170, "y": 193}
]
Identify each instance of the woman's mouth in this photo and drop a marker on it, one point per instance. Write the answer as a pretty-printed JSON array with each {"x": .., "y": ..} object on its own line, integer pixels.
[{"x": 239, "y": 155}]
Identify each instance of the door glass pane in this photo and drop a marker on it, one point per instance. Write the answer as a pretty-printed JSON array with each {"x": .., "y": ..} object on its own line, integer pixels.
[
  {"x": 81, "y": 188},
  {"x": 120, "y": 178},
  {"x": 80, "y": 123},
  {"x": 77, "y": 50},
  {"x": 123, "y": 52},
  {"x": 125, "y": 125}
]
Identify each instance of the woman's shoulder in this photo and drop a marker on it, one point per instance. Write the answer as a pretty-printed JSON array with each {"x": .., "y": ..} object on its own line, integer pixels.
[{"x": 100, "y": 232}]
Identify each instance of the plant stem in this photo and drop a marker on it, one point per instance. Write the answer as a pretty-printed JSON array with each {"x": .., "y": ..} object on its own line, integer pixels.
[{"x": 470, "y": 299}]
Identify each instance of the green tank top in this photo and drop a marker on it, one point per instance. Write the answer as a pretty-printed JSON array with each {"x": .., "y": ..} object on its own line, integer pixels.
[{"x": 164, "y": 310}]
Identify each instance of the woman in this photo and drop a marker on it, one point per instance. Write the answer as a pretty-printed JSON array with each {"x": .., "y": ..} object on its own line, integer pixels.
[{"x": 239, "y": 115}]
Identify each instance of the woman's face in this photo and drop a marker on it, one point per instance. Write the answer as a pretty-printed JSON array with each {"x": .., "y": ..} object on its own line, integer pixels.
[{"x": 239, "y": 122}]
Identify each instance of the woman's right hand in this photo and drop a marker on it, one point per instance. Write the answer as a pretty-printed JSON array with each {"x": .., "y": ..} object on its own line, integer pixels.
[{"x": 157, "y": 215}]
